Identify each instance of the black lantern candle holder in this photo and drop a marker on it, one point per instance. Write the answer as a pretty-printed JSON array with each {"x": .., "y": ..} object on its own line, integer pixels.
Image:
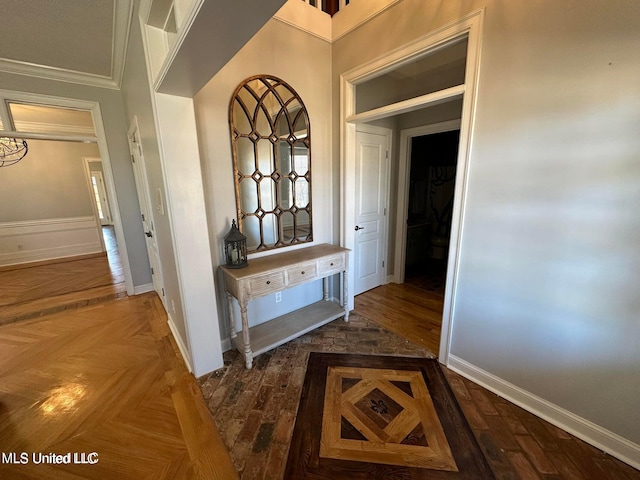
[{"x": 235, "y": 247}]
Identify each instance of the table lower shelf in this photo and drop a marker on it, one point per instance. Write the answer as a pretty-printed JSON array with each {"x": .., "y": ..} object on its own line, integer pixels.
[{"x": 273, "y": 333}]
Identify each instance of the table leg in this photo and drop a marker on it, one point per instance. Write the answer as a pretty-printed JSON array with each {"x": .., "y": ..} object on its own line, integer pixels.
[
  {"x": 345, "y": 294},
  {"x": 232, "y": 320},
  {"x": 248, "y": 354},
  {"x": 325, "y": 288}
]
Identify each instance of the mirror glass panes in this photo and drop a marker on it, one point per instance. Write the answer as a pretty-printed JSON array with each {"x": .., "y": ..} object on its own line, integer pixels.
[
  {"x": 271, "y": 144},
  {"x": 54, "y": 120},
  {"x": 440, "y": 69}
]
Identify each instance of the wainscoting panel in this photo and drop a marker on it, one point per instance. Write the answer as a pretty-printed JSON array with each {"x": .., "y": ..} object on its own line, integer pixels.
[{"x": 37, "y": 240}]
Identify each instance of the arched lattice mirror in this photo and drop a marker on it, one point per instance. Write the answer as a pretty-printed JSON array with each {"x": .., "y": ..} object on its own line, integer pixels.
[{"x": 271, "y": 143}]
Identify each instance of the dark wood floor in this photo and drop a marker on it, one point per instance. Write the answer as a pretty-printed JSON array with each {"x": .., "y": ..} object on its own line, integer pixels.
[{"x": 517, "y": 444}]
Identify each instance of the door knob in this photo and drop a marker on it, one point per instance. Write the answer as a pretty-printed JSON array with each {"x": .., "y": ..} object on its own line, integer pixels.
[
  {"x": 148, "y": 234},
  {"x": 359, "y": 228}
]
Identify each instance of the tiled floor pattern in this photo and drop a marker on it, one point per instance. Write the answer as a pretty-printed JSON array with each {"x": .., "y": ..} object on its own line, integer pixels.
[
  {"x": 255, "y": 409},
  {"x": 255, "y": 412}
]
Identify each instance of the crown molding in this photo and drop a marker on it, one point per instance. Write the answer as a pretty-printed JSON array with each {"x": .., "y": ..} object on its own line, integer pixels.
[
  {"x": 357, "y": 13},
  {"x": 122, "y": 17},
  {"x": 309, "y": 19},
  {"x": 306, "y": 18},
  {"x": 54, "y": 73},
  {"x": 122, "y": 14}
]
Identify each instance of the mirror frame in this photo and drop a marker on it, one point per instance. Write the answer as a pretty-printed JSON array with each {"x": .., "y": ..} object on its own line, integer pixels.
[{"x": 290, "y": 109}]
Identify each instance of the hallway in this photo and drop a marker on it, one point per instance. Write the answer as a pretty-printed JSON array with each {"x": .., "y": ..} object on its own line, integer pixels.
[
  {"x": 412, "y": 310},
  {"x": 42, "y": 288}
]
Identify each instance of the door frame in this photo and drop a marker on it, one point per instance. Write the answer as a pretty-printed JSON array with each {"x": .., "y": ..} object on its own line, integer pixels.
[
  {"x": 471, "y": 27},
  {"x": 104, "y": 198},
  {"x": 88, "y": 172},
  {"x": 388, "y": 133},
  {"x": 100, "y": 138},
  {"x": 142, "y": 182},
  {"x": 404, "y": 176}
]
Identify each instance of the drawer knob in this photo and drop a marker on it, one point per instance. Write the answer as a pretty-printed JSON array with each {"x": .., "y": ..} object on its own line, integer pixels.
[
  {"x": 268, "y": 282},
  {"x": 331, "y": 264},
  {"x": 302, "y": 272}
]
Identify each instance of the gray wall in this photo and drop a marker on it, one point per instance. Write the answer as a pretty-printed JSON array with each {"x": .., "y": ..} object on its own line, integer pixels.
[
  {"x": 116, "y": 134},
  {"x": 304, "y": 62},
  {"x": 547, "y": 291},
  {"x": 137, "y": 102},
  {"x": 50, "y": 182}
]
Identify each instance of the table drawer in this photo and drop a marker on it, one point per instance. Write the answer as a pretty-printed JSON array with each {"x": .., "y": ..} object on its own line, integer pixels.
[
  {"x": 264, "y": 284},
  {"x": 302, "y": 273},
  {"x": 331, "y": 264}
]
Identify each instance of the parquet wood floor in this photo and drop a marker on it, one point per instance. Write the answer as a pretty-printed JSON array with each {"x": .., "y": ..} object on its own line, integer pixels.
[
  {"x": 47, "y": 287},
  {"x": 106, "y": 379}
]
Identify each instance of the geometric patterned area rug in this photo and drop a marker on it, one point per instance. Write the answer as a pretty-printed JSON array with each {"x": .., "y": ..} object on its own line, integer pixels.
[{"x": 380, "y": 417}]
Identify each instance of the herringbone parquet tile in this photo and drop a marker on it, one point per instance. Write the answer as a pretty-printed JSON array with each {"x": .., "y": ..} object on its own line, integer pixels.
[{"x": 104, "y": 379}]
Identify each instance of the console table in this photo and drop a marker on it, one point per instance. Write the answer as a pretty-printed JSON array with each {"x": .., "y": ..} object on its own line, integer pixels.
[{"x": 267, "y": 275}]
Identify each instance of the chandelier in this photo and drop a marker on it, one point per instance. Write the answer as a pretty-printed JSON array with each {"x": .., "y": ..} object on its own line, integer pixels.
[{"x": 12, "y": 151}]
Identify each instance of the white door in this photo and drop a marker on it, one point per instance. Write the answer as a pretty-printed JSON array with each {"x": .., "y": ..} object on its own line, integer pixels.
[
  {"x": 371, "y": 207},
  {"x": 100, "y": 194},
  {"x": 142, "y": 189}
]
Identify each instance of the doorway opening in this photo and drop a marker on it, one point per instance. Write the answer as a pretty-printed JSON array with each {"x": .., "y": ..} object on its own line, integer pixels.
[
  {"x": 456, "y": 47},
  {"x": 432, "y": 174}
]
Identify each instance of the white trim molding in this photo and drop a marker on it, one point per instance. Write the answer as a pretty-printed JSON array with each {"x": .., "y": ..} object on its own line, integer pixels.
[
  {"x": 94, "y": 108},
  {"x": 355, "y": 14},
  {"x": 305, "y": 17},
  {"x": 227, "y": 344},
  {"x": 404, "y": 174},
  {"x": 123, "y": 11},
  {"x": 470, "y": 26},
  {"x": 311, "y": 19},
  {"x": 48, "y": 239},
  {"x": 599, "y": 437},
  {"x": 140, "y": 289},
  {"x": 184, "y": 351},
  {"x": 54, "y": 73}
]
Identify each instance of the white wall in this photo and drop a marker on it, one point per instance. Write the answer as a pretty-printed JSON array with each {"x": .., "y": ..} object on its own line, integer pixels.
[
  {"x": 303, "y": 61},
  {"x": 547, "y": 289},
  {"x": 115, "y": 130}
]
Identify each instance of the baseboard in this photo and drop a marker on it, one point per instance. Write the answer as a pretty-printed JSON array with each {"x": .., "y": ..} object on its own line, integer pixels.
[
  {"x": 603, "y": 439},
  {"x": 140, "y": 289},
  {"x": 226, "y": 344},
  {"x": 181, "y": 346},
  {"x": 44, "y": 254}
]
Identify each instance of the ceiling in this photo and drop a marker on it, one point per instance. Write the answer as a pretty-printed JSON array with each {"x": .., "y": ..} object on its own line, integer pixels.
[{"x": 73, "y": 40}]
